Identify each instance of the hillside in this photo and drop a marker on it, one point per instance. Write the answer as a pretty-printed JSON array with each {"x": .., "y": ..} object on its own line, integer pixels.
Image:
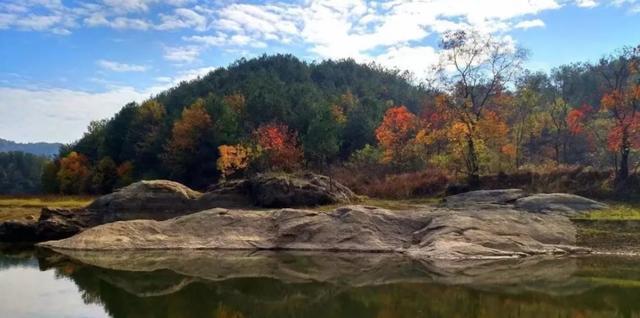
[
  {"x": 38, "y": 148},
  {"x": 372, "y": 128},
  {"x": 229, "y": 104}
]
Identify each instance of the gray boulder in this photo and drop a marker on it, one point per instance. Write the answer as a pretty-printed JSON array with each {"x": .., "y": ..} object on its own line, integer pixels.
[
  {"x": 429, "y": 233},
  {"x": 558, "y": 203},
  {"x": 500, "y": 196},
  {"x": 154, "y": 199},
  {"x": 278, "y": 191}
]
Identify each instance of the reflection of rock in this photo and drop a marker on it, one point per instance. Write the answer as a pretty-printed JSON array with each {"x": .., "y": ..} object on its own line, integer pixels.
[
  {"x": 423, "y": 234},
  {"x": 197, "y": 283},
  {"x": 544, "y": 274}
]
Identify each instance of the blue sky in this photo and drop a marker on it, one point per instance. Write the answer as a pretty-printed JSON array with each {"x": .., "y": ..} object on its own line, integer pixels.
[{"x": 65, "y": 63}]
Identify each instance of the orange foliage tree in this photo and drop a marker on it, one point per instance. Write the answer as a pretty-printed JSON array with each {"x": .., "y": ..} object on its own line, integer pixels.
[
  {"x": 233, "y": 158},
  {"x": 187, "y": 136},
  {"x": 74, "y": 169},
  {"x": 399, "y": 126},
  {"x": 278, "y": 147},
  {"x": 622, "y": 103}
]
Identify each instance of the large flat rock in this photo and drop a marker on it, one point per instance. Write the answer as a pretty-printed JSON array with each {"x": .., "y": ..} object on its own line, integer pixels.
[
  {"x": 558, "y": 203},
  {"x": 429, "y": 233}
]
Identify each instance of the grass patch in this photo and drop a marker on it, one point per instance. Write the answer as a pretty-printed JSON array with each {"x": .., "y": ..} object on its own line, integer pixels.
[
  {"x": 616, "y": 211},
  {"x": 397, "y": 205},
  {"x": 20, "y": 207}
]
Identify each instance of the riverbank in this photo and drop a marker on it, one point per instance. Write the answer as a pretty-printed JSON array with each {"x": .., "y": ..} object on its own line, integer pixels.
[{"x": 29, "y": 207}]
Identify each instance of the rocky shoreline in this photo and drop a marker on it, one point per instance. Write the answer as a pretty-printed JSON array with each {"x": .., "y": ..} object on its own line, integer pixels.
[{"x": 157, "y": 215}]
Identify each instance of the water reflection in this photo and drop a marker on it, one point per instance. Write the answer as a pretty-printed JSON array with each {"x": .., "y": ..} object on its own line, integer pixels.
[{"x": 270, "y": 284}]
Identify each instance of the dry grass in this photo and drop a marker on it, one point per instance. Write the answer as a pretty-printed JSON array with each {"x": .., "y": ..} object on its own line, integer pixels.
[
  {"x": 20, "y": 207},
  {"x": 616, "y": 211},
  {"x": 394, "y": 205}
]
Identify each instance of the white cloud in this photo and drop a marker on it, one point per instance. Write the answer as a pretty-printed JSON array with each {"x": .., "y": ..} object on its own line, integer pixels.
[
  {"x": 183, "y": 18},
  {"x": 182, "y": 54},
  {"x": 128, "y": 5},
  {"x": 420, "y": 59},
  {"x": 121, "y": 67},
  {"x": 537, "y": 23},
  {"x": 29, "y": 115},
  {"x": 586, "y": 3},
  {"x": 38, "y": 114}
]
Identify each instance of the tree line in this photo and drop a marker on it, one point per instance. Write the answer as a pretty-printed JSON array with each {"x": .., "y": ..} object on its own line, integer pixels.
[{"x": 485, "y": 114}]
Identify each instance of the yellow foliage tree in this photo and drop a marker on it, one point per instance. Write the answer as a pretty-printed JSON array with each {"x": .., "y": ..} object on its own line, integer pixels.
[{"x": 233, "y": 158}]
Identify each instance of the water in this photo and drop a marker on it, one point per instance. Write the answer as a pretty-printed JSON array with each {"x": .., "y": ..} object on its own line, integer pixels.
[{"x": 278, "y": 284}]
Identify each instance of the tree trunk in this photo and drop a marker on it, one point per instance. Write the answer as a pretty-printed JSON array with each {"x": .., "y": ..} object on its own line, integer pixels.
[
  {"x": 473, "y": 169},
  {"x": 623, "y": 169}
]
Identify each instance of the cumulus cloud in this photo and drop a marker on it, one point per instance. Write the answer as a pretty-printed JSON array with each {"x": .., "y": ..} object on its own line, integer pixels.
[
  {"x": 537, "y": 23},
  {"x": 121, "y": 67},
  {"x": 182, "y": 54}
]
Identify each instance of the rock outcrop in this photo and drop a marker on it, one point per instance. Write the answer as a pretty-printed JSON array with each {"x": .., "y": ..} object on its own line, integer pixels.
[
  {"x": 163, "y": 199},
  {"x": 558, "y": 203},
  {"x": 155, "y": 199},
  {"x": 428, "y": 233},
  {"x": 500, "y": 196},
  {"x": 547, "y": 203},
  {"x": 278, "y": 191}
]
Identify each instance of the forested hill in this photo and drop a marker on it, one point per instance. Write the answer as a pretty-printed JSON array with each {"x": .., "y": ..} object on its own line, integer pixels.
[
  {"x": 38, "y": 148},
  {"x": 277, "y": 113},
  {"x": 327, "y": 110}
]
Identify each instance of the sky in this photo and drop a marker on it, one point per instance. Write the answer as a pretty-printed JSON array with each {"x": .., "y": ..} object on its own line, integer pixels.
[{"x": 66, "y": 63}]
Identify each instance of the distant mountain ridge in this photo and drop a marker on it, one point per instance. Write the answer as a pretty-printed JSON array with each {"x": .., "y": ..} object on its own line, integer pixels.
[{"x": 37, "y": 148}]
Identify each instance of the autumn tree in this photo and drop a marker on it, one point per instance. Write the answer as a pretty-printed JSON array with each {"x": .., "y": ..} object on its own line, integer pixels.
[
  {"x": 277, "y": 147},
  {"x": 527, "y": 116},
  {"x": 622, "y": 103},
  {"x": 191, "y": 144},
  {"x": 74, "y": 169},
  {"x": 233, "y": 158},
  {"x": 395, "y": 134},
  {"x": 475, "y": 68}
]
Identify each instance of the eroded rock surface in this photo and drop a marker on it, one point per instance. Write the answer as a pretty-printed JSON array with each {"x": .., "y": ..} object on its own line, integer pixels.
[
  {"x": 428, "y": 233},
  {"x": 278, "y": 191},
  {"x": 548, "y": 203},
  {"x": 163, "y": 199},
  {"x": 558, "y": 203},
  {"x": 500, "y": 196}
]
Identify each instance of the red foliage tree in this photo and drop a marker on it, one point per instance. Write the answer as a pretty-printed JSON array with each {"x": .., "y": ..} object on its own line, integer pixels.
[
  {"x": 278, "y": 146},
  {"x": 396, "y": 130}
]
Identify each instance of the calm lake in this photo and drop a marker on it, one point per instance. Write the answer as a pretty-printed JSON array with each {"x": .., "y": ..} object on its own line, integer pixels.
[{"x": 40, "y": 283}]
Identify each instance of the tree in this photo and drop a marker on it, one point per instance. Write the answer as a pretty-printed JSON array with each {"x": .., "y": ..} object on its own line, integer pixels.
[
  {"x": 233, "y": 158},
  {"x": 73, "y": 172},
  {"x": 322, "y": 139},
  {"x": 49, "y": 179},
  {"x": 399, "y": 126},
  {"x": 190, "y": 145},
  {"x": 622, "y": 102},
  {"x": 482, "y": 65},
  {"x": 143, "y": 143},
  {"x": 278, "y": 147},
  {"x": 528, "y": 114},
  {"x": 104, "y": 176}
]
